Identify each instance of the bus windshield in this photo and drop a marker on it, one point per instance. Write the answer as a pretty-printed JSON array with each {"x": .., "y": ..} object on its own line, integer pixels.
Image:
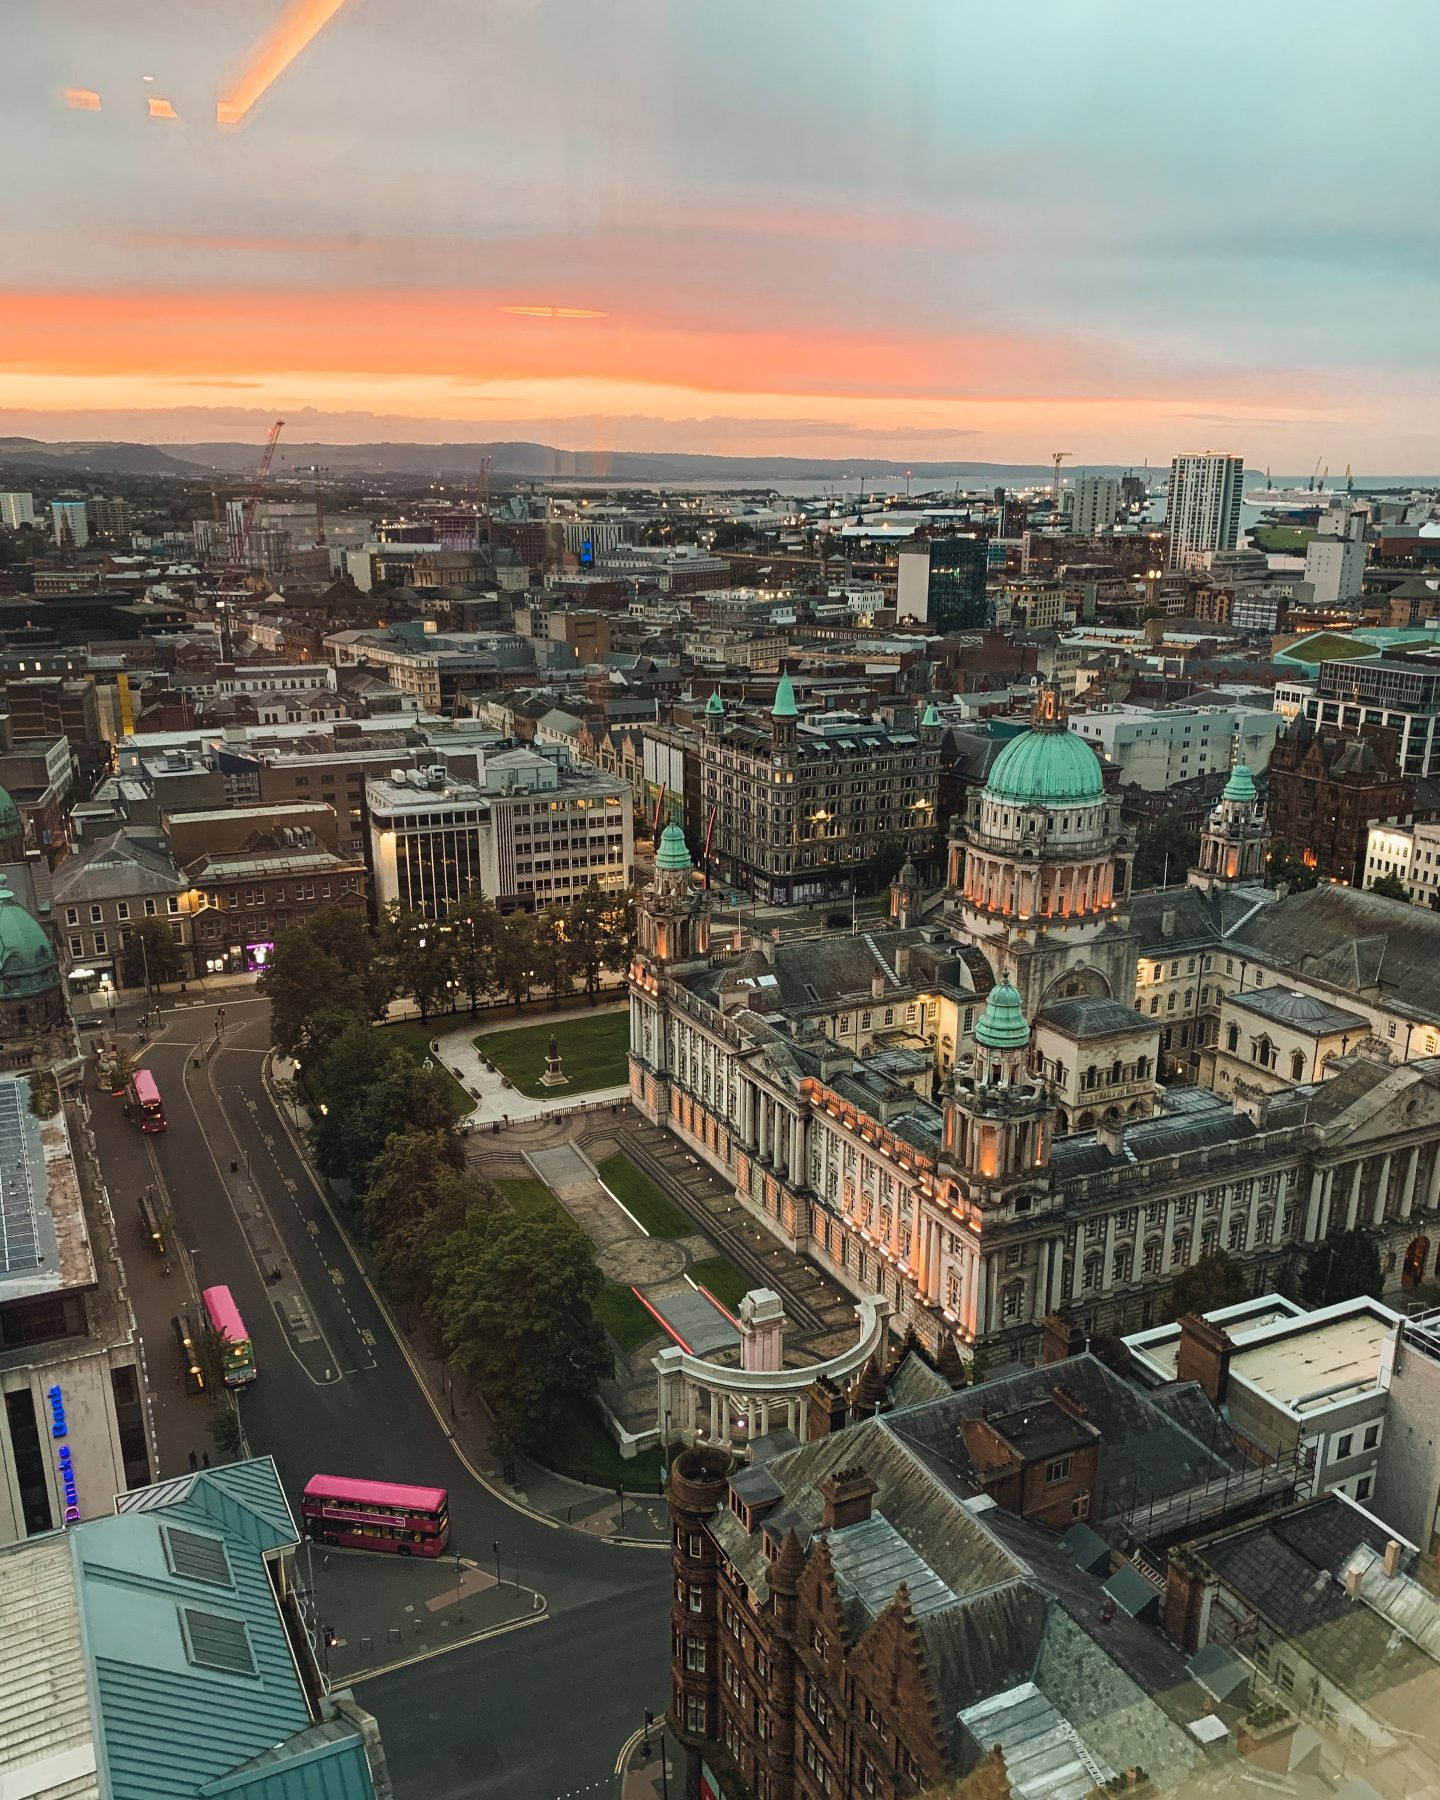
[
  {"x": 376, "y": 1515},
  {"x": 145, "y": 1101},
  {"x": 224, "y": 1317}
]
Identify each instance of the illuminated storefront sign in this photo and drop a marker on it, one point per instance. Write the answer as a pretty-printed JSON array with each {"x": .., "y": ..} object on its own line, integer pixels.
[{"x": 58, "y": 1427}]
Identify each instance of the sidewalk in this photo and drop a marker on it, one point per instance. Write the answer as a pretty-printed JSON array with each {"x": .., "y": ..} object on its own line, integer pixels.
[
  {"x": 383, "y": 1610},
  {"x": 656, "y": 1775},
  {"x": 456, "y": 1048},
  {"x": 633, "y": 1518}
]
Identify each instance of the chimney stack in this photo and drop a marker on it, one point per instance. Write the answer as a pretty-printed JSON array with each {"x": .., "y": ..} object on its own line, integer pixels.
[
  {"x": 847, "y": 1495},
  {"x": 1392, "y": 1558},
  {"x": 1204, "y": 1356}
]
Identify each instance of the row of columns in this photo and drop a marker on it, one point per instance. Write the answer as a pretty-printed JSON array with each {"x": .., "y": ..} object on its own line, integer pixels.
[
  {"x": 1339, "y": 1187},
  {"x": 773, "y": 1133},
  {"x": 715, "y": 1409},
  {"x": 1033, "y": 890}
]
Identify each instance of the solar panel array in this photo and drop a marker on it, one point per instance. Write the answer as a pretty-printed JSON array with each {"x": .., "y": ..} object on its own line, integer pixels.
[{"x": 19, "y": 1244}]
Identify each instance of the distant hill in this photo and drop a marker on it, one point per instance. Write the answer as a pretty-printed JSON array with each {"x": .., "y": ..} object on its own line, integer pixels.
[
  {"x": 99, "y": 458},
  {"x": 523, "y": 460}
]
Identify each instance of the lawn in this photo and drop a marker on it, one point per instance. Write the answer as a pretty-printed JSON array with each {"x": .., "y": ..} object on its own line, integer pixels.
[
  {"x": 719, "y": 1276},
  {"x": 531, "y": 1198},
  {"x": 622, "y": 1315},
  {"x": 579, "y": 1446},
  {"x": 638, "y": 1194},
  {"x": 1287, "y": 540},
  {"x": 593, "y": 1053},
  {"x": 411, "y": 1035}
]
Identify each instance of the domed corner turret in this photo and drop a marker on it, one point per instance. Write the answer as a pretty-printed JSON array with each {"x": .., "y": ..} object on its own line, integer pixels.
[
  {"x": 695, "y": 1486},
  {"x": 28, "y": 965}
]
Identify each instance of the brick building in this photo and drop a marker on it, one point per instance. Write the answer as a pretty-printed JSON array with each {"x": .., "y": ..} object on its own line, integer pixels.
[{"x": 1328, "y": 786}]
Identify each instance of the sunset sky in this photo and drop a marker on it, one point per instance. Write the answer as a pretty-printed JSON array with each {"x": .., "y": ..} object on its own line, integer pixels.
[{"x": 942, "y": 230}]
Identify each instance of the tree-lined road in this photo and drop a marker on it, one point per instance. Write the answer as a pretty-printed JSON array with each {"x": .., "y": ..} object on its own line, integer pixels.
[{"x": 335, "y": 1393}]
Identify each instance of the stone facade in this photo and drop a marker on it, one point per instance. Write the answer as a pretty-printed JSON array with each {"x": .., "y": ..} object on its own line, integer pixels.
[{"x": 954, "y": 1196}]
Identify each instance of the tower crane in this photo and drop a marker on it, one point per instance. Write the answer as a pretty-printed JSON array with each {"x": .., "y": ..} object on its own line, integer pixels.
[
  {"x": 317, "y": 470},
  {"x": 1057, "y": 457},
  {"x": 247, "y": 517},
  {"x": 487, "y": 463}
]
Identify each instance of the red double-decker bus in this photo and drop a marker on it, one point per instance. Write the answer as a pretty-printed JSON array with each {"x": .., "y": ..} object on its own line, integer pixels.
[
  {"x": 145, "y": 1104},
  {"x": 376, "y": 1515}
]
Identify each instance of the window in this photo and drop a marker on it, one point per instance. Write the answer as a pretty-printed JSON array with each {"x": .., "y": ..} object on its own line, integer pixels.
[
  {"x": 149, "y": 909},
  {"x": 695, "y": 1714},
  {"x": 695, "y": 1655},
  {"x": 1371, "y": 1438},
  {"x": 1057, "y": 1469},
  {"x": 1364, "y": 1486},
  {"x": 72, "y": 915},
  {"x": 697, "y": 1600},
  {"x": 693, "y": 1546},
  {"x": 1344, "y": 1444},
  {"x": 1285, "y": 1677},
  {"x": 874, "y": 1720}
]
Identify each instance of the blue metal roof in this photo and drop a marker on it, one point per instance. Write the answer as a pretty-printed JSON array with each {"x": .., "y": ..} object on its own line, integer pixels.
[{"x": 176, "y": 1723}]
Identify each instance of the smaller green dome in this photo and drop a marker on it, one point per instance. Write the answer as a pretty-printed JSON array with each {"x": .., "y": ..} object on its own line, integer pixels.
[
  {"x": 715, "y": 706},
  {"x": 1240, "y": 786},
  {"x": 785, "y": 707},
  {"x": 1002, "y": 1025},
  {"x": 27, "y": 958},
  {"x": 931, "y": 716},
  {"x": 673, "y": 856}
]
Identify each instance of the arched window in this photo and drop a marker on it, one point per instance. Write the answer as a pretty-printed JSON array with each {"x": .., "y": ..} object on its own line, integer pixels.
[
  {"x": 1142, "y": 1068},
  {"x": 1154, "y": 1253},
  {"x": 1120, "y": 1264},
  {"x": 1232, "y": 1039},
  {"x": 1297, "y": 1065},
  {"x": 1180, "y": 1252},
  {"x": 1115, "y": 1071},
  {"x": 1012, "y": 1298}
]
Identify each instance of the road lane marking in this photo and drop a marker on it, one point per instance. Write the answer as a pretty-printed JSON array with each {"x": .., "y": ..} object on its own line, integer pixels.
[{"x": 480, "y": 1637}]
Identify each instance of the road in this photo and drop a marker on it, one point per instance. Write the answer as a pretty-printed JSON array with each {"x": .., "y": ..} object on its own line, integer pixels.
[{"x": 335, "y": 1393}]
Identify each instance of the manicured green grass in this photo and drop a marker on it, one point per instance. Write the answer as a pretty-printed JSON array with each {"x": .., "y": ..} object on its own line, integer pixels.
[
  {"x": 1285, "y": 540},
  {"x": 593, "y": 1052},
  {"x": 719, "y": 1276},
  {"x": 411, "y": 1035},
  {"x": 638, "y": 1194},
  {"x": 578, "y": 1445},
  {"x": 531, "y": 1198},
  {"x": 622, "y": 1315}
]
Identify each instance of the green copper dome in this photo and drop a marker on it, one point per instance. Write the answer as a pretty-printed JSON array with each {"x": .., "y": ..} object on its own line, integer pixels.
[
  {"x": 1240, "y": 786},
  {"x": 672, "y": 855},
  {"x": 715, "y": 706},
  {"x": 27, "y": 960},
  {"x": 785, "y": 707},
  {"x": 1002, "y": 1025},
  {"x": 1046, "y": 767},
  {"x": 10, "y": 825}
]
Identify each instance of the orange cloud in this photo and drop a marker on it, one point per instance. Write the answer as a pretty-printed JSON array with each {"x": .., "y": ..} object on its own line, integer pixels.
[
  {"x": 81, "y": 99},
  {"x": 302, "y": 22}
]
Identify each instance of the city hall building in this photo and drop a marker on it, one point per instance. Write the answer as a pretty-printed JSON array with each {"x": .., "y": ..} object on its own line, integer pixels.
[{"x": 961, "y": 1112}]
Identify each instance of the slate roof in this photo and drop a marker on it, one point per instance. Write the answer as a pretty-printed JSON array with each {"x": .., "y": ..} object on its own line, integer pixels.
[
  {"x": 1302, "y": 1012},
  {"x": 1095, "y": 1016},
  {"x": 1145, "y": 1451},
  {"x": 116, "y": 868},
  {"x": 1290, "y": 1569},
  {"x": 1354, "y": 940}
]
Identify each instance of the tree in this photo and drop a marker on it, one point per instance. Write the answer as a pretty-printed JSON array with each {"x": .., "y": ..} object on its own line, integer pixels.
[
  {"x": 150, "y": 945},
  {"x": 224, "y": 1427},
  {"x": 1215, "y": 1280},
  {"x": 1291, "y": 868},
  {"x": 1342, "y": 1268},
  {"x": 621, "y": 924},
  {"x": 417, "y": 1192},
  {"x": 515, "y": 948},
  {"x": 512, "y": 1308},
  {"x": 210, "y": 1355},
  {"x": 1165, "y": 851},
  {"x": 554, "y": 955},
  {"x": 472, "y": 919},
  {"x": 420, "y": 952},
  {"x": 306, "y": 985},
  {"x": 585, "y": 928},
  {"x": 1391, "y": 887}
]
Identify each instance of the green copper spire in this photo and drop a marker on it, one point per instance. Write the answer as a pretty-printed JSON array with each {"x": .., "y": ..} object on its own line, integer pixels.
[
  {"x": 715, "y": 706},
  {"x": 1240, "y": 786},
  {"x": 672, "y": 856},
  {"x": 785, "y": 707},
  {"x": 1002, "y": 1024},
  {"x": 931, "y": 716}
]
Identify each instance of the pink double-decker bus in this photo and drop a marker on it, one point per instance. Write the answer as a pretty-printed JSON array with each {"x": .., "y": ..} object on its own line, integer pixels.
[
  {"x": 376, "y": 1515},
  {"x": 224, "y": 1317}
]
